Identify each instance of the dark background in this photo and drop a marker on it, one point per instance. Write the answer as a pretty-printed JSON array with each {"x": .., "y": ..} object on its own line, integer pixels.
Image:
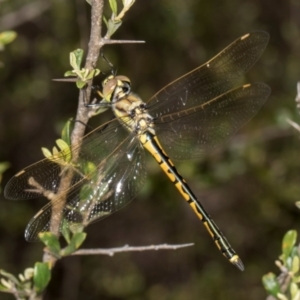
[{"x": 249, "y": 187}]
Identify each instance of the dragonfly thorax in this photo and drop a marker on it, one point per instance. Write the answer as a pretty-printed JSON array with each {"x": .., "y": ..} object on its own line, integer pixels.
[{"x": 128, "y": 107}]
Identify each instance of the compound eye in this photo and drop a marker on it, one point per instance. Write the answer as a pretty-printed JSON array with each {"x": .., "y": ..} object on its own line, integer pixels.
[{"x": 126, "y": 88}]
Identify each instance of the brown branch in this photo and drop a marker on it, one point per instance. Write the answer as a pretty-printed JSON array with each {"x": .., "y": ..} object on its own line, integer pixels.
[
  {"x": 96, "y": 42},
  {"x": 82, "y": 118},
  {"x": 40, "y": 189},
  {"x": 94, "y": 47},
  {"x": 127, "y": 248}
]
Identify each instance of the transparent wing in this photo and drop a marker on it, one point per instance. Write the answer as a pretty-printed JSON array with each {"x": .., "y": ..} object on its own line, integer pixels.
[
  {"x": 212, "y": 79},
  {"x": 47, "y": 173},
  {"x": 189, "y": 133},
  {"x": 112, "y": 185}
]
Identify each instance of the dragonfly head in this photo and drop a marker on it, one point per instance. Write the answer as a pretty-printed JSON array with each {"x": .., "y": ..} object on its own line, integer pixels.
[{"x": 116, "y": 87}]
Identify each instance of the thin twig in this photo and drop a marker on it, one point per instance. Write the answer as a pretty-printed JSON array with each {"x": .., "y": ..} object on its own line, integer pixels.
[
  {"x": 127, "y": 248},
  {"x": 293, "y": 124},
  {"x": 109, "y": 42}
]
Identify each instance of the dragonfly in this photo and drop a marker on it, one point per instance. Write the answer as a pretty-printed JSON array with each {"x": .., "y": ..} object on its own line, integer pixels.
[{"x": 194, "y": 114}]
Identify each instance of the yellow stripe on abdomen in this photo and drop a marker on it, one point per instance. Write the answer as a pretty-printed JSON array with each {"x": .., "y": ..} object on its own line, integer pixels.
[
  {"x": 164, "y": 162},
  {"x": 151, "y": 143}
]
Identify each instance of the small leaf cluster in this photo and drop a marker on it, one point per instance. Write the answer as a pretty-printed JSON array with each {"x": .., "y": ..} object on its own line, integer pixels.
[
  {"x": 115, "y": 21},
  {"x": 28, "y": 285},
  {"x": 74, "y": 241},
  {"x": 83, "y": 75},
  {"x": 61, "y": 154},
  {"x": 286, "y": 285},
  {"x": 34, "y": 280}
]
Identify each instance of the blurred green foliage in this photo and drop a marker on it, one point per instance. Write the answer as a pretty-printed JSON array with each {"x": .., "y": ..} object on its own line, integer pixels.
[
  {"x": 249, "y": 187},
  {"x": 286, "y": 285},
  {"x": 6, "y": 37}
]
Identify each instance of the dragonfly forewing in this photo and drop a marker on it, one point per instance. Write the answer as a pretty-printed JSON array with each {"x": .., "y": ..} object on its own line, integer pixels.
[
  {"x": 191, "y": 132},
  {"x": 220, "y": 74},
  {"x": 48, "y": 172}
]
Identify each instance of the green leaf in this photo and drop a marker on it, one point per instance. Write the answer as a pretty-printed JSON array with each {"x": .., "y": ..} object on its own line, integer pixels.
[
  {"x": 281, "y": 297},
  {"x": 80, "y": 84},
  {"x": 73, "y": 61},
  {"x": 89, "y": 168},
  {"x": 9, "y": 276},
  {"x": 85, "y": 192},
  {"x": 289, "y": 241},
  {"x": 46, "y": 152},
  {"x": 105, "y": 22},
  {"x": 51, "y": 241},
  {"x": 79, "y": 55},
  {"x": 4, "y": 288},
  {"x": 4, "y": 166},
  {"x": 65, "y": 152},
  {"x": 112, "y": 27},
  {"x": 69, "y": 73},
  {"x": 55, "y": 153},
  {"x": 113, "y": 6},
  {"x": 28, "y": 273},
  {"x": 76, "y": 241},
  {"x": 65, "y": 231},
  {"x": 294, "y": 290},
  {"x": 297, "y": 296},
  {"x": 128, "y": 3},
  {"x": 92, "y": 74},
  {"x": 270, "y": 283},
  {"x": 7, "y": 37},
  {"x": 288, "y": 262},
  {"x": 76, "y": 58},
  {"x": 42, "y": 276},
  {"x": 62, "y": 145},
  {"x": 295, "y": 264},
  {"x": 6, "y": 285},
  {"x": 76, "y": 227},
  {"x": 67, "y": 131}
]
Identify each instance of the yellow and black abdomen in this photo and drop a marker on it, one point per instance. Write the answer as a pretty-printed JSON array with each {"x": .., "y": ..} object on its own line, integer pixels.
[{"x": 151, "y": 143}]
